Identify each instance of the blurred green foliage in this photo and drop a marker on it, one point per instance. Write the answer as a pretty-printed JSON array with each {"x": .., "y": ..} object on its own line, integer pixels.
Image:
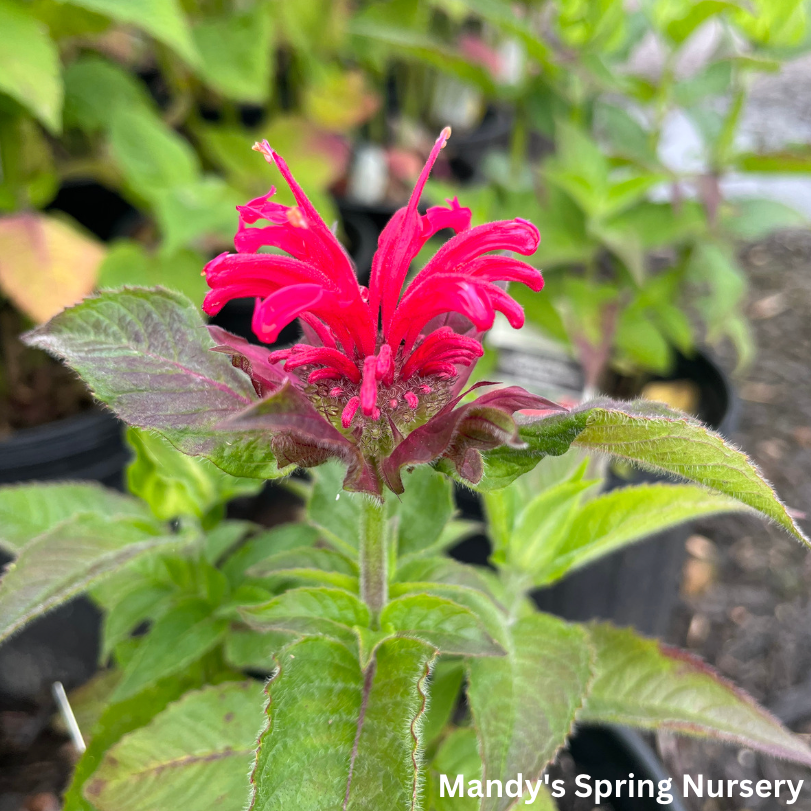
[{"x": 160, "y": 100}]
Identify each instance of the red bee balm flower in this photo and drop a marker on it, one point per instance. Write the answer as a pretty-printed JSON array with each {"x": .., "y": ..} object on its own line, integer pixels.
[{"x": 381, "y": 369}]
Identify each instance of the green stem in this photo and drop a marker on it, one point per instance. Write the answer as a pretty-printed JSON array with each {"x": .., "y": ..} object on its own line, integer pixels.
[{"x": 374, "y": 556}]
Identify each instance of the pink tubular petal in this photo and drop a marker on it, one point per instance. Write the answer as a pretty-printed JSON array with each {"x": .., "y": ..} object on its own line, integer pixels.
[
  {"x": 506, "y": 269},
  {"x": 368, "y": 386},
  {"x": 324, "y": 374},
  {"x": 502, "y": 302},
  {"x": 331, "y": 252},
  {"x": 385, "y": 363},
  {"x": 280, "y": 308},
  {"x": 262, "y": 267},
  {"x": 516, "y": 235},
  {"x": 437, "y": 218},
  {"x": 443, "y": 344},
  {"x": 411, "y": 399},
  {"x": 399, "y": 243},
  {"x": 303, "y": 355},
  {"x": 316, "y": 332},
  {"x": 348, "y": 413}
]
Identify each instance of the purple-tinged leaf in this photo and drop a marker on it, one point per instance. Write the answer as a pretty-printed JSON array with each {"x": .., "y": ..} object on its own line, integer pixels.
[
  {"x": 643, "y": 683},
  {"x": 251, "y": 359},
  {"x": 302, "y": 436},
  {"x": 460, "y": 433},
  {"x": 147, "y": 355}
]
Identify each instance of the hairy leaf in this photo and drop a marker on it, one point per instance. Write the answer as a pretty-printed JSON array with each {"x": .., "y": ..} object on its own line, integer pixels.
[
  {"x": 641, "y": 682},
  {"x": 319, "y": 565},
  {"x": 628, "y": 515},
  {"x": 67, "y": 559},
  {"x": 347, "y": 739},
  {"x": 28, "y": 510},
  {"x": 200, "y": 748},
  {"x": 253, "y": 650},
  {"x": 426, "y": 507},
  {"x": 145, "y": 602},
  {"x": 524, "y": 703},
  {"x": 334, "y": 512},
  {"x": 448, "y": 626},
  {"x": 146, "y": 354},
  {"x": 311, "y": 612},
  {"x": 652, "y": 436},
  {"x": 179, "y": 638},
  {"x": 282, "y": 538}
]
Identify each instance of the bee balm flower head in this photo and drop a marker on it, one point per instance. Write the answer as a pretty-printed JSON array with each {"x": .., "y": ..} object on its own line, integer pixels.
[{"x": 382, "y": 366}]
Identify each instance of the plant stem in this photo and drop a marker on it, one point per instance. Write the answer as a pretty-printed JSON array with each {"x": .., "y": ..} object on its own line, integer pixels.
[{"x": 374, "y": 555}]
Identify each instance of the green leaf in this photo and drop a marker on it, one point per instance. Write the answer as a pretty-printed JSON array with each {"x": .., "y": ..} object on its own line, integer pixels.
[
  {"x": 319, "y": 565},
  {"x": 117, "y": 720},
  {"x": 524, "y": 703},
  {"x": 796, "y": 159},
  {"x": 423, "y": 510},
  {"x": 178, "y": 638},
  {"x": 96, "y": 89},
  {"x": 639, "y": 338},
  {"x": 332, "y": 510},
  {"x": 223, "y": 538},
  {"x": 442, "y": 623},
  {"x": 625, "y": 516},
  {"x": 145, "y": 602},
  {"x": 680, "y": 28},
  {"x": 654, "y": 437},
  {"x": 199, "y": 747},
  {"x": 130, "y": 263},
  {"x": 163, "y": 19},
  {"x": 28, "y": 510},
  {"x": 173, "y": 484},
  {"x": 283, "y": 538},
  {"x": 458, "y": 754},
  {"x": 152, "y": 156},
  {"x": 311, "y": 612},
  {"x": 67, "y": 559},
  {"x": 253, "y": 650},
  {"x": 359, "y": 733},
  {"x": 146, "y": 354},
  {"x": 236, "y": 53},
  {"x": 29, "y": 64},
  {"x": 641, "y": 682}
]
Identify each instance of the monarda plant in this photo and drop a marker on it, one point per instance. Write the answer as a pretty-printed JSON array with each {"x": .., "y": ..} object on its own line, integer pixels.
[{"x": 321, "y": 664}]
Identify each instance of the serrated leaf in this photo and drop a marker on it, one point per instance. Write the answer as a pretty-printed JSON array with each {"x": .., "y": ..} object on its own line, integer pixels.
[
  {"x": 625, "y": 516},
  {"x": 29, "y": 64},
  {"x": 311, "y": 612},
  {"x": 67, "y": 559},
  {"x": 442, "y": 623},
  {"x": 524, "y": 703},
  {"x": 641, "y": 682},
  {"x": 146, "y": 354},
  {"x": 46, "y": 264},
  {"x": 236, "y": 54},
  {"x": 198, "y": 747},
  {"x": 346, "y": 739},
  {"x": 652, "y": 436},
  {"x": 178, "y": 638},
  {"x": 283, "y": 538},
  {"x": 117, "y": 720},
  {"x": 28, "y": 510},
  {"x": 163, "y": 19},
  {"x": 320, "y": 565}
]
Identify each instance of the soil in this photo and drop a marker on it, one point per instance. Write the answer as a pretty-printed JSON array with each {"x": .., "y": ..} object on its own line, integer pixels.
[
  {"x": 746, "y": 592},
  {"x": 34, "y": 389}
]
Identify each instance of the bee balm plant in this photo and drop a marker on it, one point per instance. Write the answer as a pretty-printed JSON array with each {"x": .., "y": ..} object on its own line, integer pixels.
[{"x": 364, "y": 631}]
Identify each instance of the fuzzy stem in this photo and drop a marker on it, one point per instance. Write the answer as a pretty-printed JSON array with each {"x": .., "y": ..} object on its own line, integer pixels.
[{"x": 374, "y": 575}]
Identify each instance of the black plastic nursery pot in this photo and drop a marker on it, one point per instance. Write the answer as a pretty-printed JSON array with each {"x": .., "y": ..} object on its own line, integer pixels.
[
  {"x": 613, "y": 753},
  {"x": 639, "y": 585},
  {"x": 64, "y": 644}
]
